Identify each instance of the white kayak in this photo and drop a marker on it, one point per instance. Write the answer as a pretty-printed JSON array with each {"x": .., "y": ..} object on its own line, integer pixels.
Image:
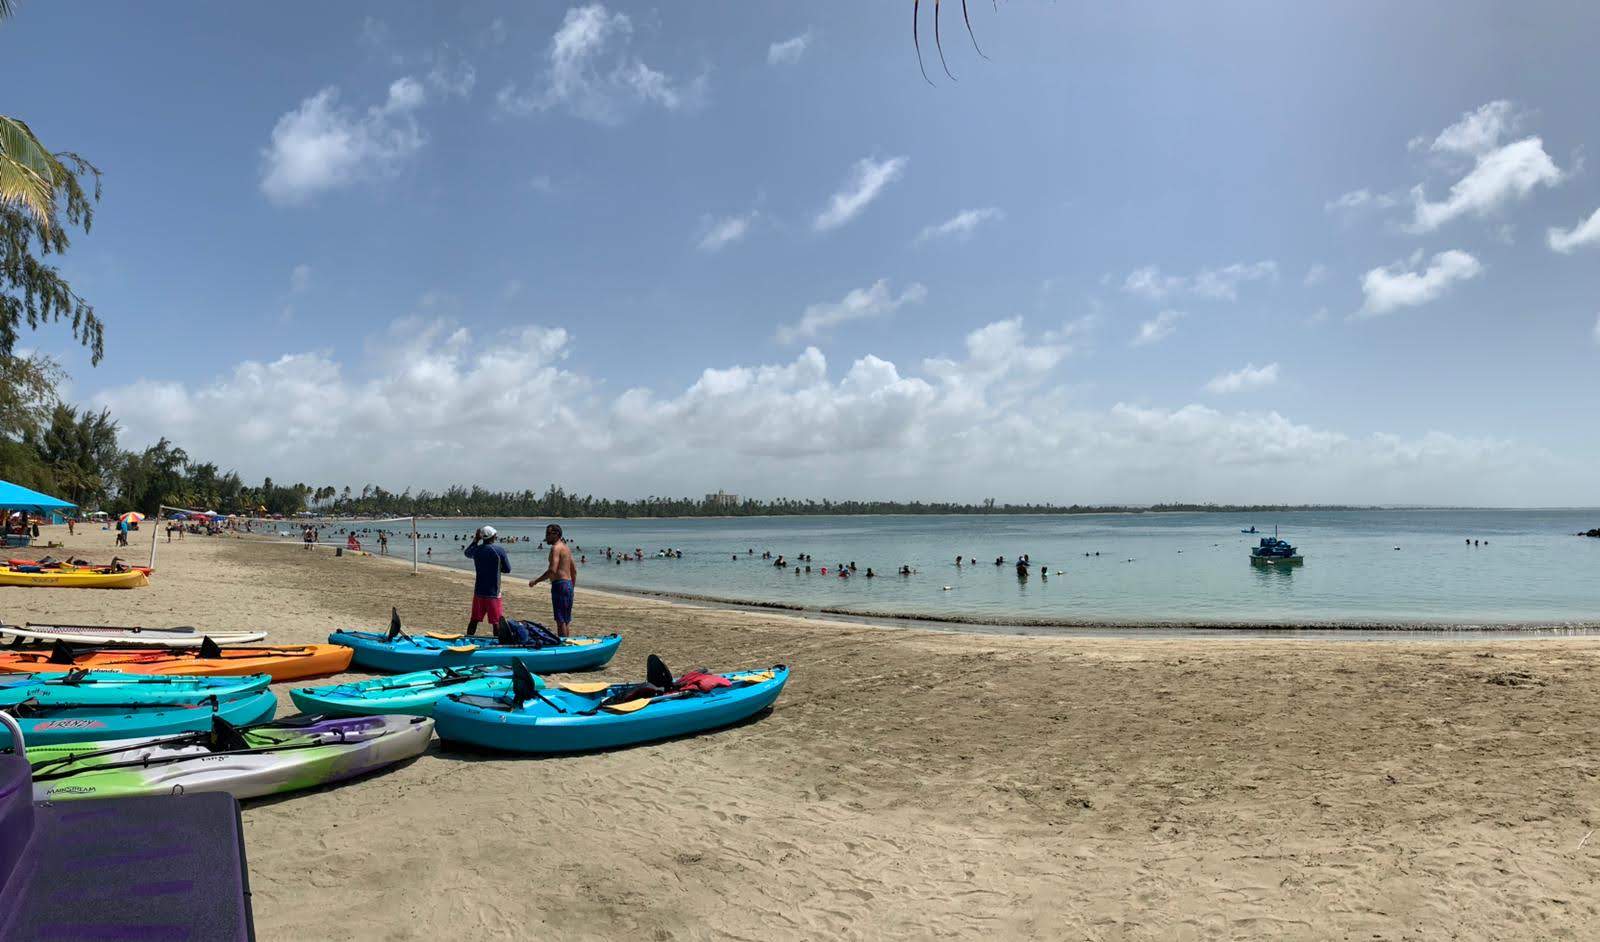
[{"x": 115, "y": 634}]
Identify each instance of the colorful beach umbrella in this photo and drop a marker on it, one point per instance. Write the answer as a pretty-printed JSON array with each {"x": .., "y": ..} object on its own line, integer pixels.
[{"x": 132, "y": 516}]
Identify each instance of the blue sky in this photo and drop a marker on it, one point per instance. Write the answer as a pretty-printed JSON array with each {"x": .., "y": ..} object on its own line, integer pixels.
[{"x": 1230, "y": 251}]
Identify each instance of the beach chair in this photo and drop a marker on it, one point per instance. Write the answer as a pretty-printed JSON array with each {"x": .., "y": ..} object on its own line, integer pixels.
[{"x": 163, "y": 868}]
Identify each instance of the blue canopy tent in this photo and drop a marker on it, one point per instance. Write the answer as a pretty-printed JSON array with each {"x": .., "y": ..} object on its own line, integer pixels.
[{"x": 14, "y": 497}]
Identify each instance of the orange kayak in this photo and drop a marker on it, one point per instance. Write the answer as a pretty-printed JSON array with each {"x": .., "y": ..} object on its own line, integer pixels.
[{"x": 285, "y": 662}]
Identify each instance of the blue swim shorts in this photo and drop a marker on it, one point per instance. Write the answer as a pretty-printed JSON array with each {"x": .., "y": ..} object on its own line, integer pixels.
[{"x": 561, "y": 600}]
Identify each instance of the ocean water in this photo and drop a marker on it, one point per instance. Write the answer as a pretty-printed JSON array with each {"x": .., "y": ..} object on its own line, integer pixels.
[{"x": 1361, "y": 567}]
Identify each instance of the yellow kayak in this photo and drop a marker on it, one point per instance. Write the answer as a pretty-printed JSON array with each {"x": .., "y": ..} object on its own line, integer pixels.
[{"x": 75, "y": 578}]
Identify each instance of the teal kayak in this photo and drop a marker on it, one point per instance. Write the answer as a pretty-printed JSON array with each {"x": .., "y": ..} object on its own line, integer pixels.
[
  {"x": 89, "y": 687},
  {"x": 60, "y": 719},
  {"x": 377, "y": 651},
  {"x": 411, "y": 694},
  {"x": 577, "y": 717}
]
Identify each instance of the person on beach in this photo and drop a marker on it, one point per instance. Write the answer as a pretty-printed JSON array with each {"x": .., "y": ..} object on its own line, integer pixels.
[
  {"x": 489, "y": 560},
  {"x": 563, "y": 576}
]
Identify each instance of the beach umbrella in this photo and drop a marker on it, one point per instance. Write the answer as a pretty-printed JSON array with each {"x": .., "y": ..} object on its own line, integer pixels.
[
  {"x": 180, "y": 515},
  {"x": 132, "y": 516}
]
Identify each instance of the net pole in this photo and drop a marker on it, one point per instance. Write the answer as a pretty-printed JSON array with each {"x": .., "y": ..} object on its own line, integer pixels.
[
  {"x": 154, "y": 530},
  {"x": 413, "y": 544}
]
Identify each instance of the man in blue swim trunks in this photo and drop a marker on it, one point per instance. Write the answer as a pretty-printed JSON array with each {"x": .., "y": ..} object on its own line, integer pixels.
[{"x": 563, "y": 576}]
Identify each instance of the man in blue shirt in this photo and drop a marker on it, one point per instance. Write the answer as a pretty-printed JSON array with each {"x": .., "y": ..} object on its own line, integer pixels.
[{"x": 489, "y": 559}]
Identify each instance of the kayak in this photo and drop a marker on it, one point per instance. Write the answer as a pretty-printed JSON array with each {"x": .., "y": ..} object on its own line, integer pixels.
[
  {"x": 73, "y": 578},
  {"x": 54, "y": 720},
  {"x": 48, "y": 563},
  {"x": 116, "y": 687},
  {"x": 112, "y": 634},
  {"x": 402, "y": 653},
  {"x": 291, "y": 754},
  {"x": 412, "y": 694},
  {"x": 571, "y": 717},
  {"x": 286, "y": 662}
]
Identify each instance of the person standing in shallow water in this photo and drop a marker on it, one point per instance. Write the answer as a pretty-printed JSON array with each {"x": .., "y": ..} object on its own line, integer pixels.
[{"x": 563, "y": 576}]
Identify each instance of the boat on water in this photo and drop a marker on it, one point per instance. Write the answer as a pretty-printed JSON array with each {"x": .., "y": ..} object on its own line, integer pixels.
[
  {"x": 1251, "y": 530},
  {"x": 1275, "y": 552}
]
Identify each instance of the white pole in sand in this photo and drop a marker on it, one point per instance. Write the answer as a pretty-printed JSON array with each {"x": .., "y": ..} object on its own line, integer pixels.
[
  {"x": 153, "y": 531},
  {"x": 413, "y": 544}
]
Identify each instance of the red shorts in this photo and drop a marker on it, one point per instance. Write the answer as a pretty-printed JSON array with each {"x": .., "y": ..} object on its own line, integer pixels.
[{"x": 490, "y": 610}]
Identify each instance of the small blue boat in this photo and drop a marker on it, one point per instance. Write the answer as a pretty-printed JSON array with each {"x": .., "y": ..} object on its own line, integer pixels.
[
  {"x": 56, "y": 719},
  {"x": 87, "y": 687},
  {"x": 411, "y": 694},
  {"x": 1275, "y": 552},
  {"x": 375, "y": 650},
  {"x": 586, "y": 717}
]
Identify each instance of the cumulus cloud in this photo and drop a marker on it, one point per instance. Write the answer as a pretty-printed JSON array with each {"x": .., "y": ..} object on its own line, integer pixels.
[
  {"x": 961, "y": 225},
  {"x": 1241, "y": 380},
  {"x": 1396, "y": 286},
  {"x": 1357, "y": 200},
  {"x": 789, "y": 51},
  {"x": 867, "y": 180},
  {"x": 1157, "y": 328},
  {"x": 320, "y": 145},
  {"x": 1217, "y": 284},
  {"x": 1586, "y": 232},
  {"x": 1502, "y": 173},
  {"x": 1316, "y": 274},
  {"x": 452, "y": 78},
  {"x": 434, "y": 404},
  {"x": 590, "y": 72},
  {"x": 726, "y": 231},
  {"x": 859, "y": 304}
]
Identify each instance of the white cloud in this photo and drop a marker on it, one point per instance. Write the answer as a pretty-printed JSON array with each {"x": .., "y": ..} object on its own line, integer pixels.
[
  {"x": 789, "y": 51},
  {"x": 726, "y": 231},
  {"x": 1584, "y": 233},
  {"x": 961, "y": 225},
  {"x": 591, "y": 74},
  {"x": 497, "y": 32},
  {"x": 1501, "y": 176},
  {"x": 1242, "y": 380},
  {"x": 1357, "y": 200},
  {"x": 455, "y": 79},
  {"x": 1397, "y": 286},
  {"x": 991, "y": 421},
  {"x": 867, "y": 180},
  {"x": 320, "y": 146},
  {"x": 1158, "y": 328},
  {"x": 1316, "y": 274},
  {"x": 300, "y": 279},
  {"x": 1217, "y": 284},
  {"x": 861, "y": 303},
  {"x": 1479, "y": 131},
  {"x": 1596, "y": 331}
]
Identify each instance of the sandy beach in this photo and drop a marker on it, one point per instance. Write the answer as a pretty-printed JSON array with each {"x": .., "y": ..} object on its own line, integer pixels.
[{"x": 919, "y": 784}]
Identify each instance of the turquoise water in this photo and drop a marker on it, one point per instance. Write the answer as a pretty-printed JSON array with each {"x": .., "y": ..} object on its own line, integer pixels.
[{"x": 1166, "y": 568}]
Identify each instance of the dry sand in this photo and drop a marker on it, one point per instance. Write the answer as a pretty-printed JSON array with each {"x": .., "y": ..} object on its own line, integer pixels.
[{"x": 917, "y": 784}]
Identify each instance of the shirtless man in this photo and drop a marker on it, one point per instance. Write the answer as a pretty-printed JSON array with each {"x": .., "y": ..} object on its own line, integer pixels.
[{"x": 563, "y": 576}]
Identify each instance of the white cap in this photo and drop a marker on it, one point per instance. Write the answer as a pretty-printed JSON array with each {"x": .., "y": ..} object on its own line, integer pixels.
[{"x": 486, "y": 532}]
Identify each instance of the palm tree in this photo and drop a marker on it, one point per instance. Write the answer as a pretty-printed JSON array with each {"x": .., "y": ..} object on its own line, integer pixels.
[{"x": 916, "y": 39}]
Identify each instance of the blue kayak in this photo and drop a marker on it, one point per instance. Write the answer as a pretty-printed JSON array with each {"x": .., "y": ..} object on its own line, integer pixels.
[
  {"x": 59, "y": 719},
  {"x": 90, "y": 687},
  {"x": 573, "y": 717},
  {"x": 411, "y": 694},
  {"x": 377, "y": 651}
]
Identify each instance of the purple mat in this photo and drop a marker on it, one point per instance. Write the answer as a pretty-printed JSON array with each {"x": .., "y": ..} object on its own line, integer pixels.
[{"x": 168, "y": 869}]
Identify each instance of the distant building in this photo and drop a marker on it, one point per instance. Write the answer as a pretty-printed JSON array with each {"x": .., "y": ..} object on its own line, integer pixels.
[{"x": 722, "y": 499}]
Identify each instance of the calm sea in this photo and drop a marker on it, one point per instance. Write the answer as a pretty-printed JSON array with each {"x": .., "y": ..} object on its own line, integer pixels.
[{"x": 1386, "y": 567}]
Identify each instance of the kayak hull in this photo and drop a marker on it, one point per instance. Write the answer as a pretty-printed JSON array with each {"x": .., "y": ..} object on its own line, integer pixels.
[
  {"x": 306, "y": 752},
  {"x": 117, "y": 687},
  {"x": 373, "y": 651},
  {"x": 281, "y": 662},
  {"x": 536, "y": 727},
  {"x": 411, "y": 694},
  {"x": 75, "y": 579},
  {"x": 75, "y": 723},
  {"x": 132, "y": 637}
]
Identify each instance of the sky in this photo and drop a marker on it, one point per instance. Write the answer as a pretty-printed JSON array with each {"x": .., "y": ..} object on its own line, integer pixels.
[{"x": 1137, "y": 252}]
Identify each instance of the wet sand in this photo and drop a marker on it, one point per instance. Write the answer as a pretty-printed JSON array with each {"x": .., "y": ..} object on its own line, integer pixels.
[{"x": 917, "y": 784}]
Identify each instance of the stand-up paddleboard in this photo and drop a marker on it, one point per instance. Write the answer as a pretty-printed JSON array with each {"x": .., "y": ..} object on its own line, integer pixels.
[{"x": 136, "y": 636}]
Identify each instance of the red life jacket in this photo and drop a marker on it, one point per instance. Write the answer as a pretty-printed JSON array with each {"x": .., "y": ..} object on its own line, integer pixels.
[{"x": 701, "y": 682}]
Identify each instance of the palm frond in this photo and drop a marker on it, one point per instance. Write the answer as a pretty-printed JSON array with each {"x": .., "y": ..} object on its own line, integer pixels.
[{"x": 28, "y": 171}]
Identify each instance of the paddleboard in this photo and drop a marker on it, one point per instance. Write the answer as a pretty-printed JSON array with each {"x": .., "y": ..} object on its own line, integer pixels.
[{"x": 130, "y": 635}]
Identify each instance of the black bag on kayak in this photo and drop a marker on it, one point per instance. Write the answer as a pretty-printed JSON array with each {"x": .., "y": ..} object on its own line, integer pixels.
[{"x": 525, "y": 634}]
